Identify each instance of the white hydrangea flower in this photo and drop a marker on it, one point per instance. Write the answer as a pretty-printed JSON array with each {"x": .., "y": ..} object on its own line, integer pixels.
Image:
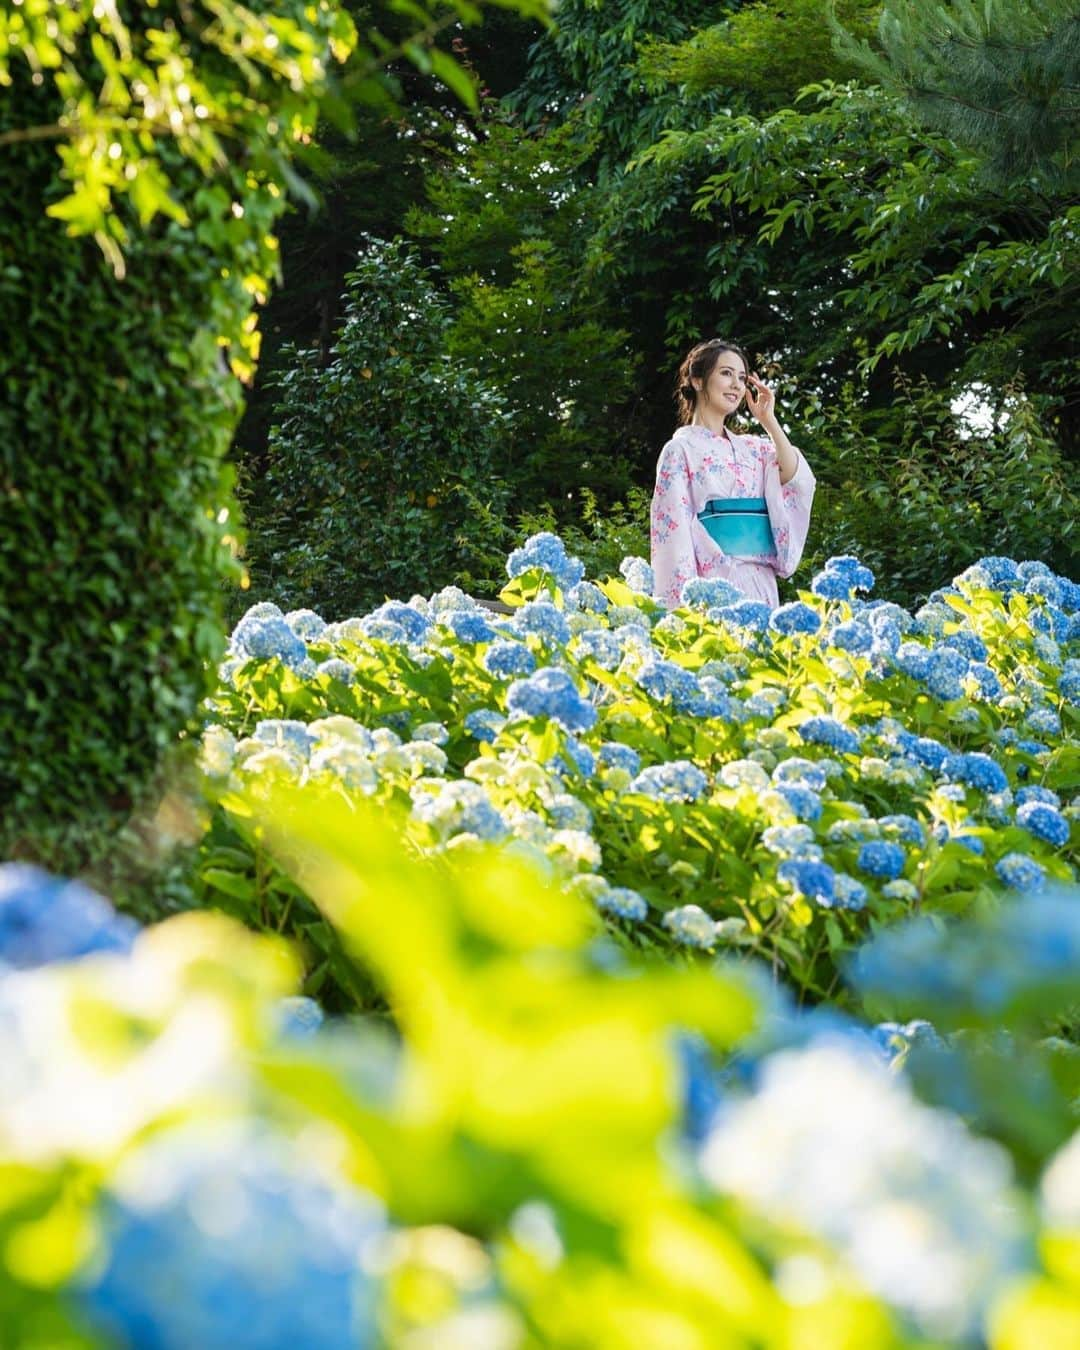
[
  {"x": 217, "y": 752},
  {"x": 835, "y": 1144}
]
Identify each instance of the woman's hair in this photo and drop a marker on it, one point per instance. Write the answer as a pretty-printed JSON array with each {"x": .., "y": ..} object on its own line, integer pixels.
[{"x": 698, "y": 364}]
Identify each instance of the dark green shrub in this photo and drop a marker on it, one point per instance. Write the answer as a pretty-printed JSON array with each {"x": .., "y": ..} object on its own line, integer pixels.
[{"x": 385, "y": 463}]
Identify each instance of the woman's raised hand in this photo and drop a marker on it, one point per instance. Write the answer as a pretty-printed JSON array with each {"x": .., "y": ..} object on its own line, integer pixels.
[{"x": 764, "y": 405}]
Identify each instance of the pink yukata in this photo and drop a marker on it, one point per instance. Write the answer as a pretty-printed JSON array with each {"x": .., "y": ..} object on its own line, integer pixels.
[{"x": 697, "y": 465}]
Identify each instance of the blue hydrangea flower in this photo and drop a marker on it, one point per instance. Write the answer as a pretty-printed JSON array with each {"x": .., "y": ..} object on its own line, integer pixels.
[
  {"x": 853, "y": 636},
  {"x": 306, "y": 624},
  {"x": 45, "y": 919},
  {"x": 1043, "y": 585},
  {"x": 551, "y": 693},
  {"x": 230, "y": 1243},
  {"x": 286, "y": 733},
  {"x": 946, "y": 673},
  {"x": 900, "y": 889},
  {"x": 988, "y": 686},
  {"x": 828, "y": 731},
  {"x": 1027, "y": 747},
  {"x": 904, "y": 828},
  {"x": 886, "y": 643},
  {"x": 803, "y": 800},
  {"x": 665, "y": 680},
  {"x": 1043, "y": 722},
  {"x": 1020, "y": 872},
  {"x": 1036, "y": 793},
  {"x": 335, "y": 668},
  {"x": 913, "y": 659},
  {"x": 264, "y": 635},
  {"x": 547, "y": 552},
  {"x": 967, "y": 643},
  {"x": 297, "y": 1018},
  {"x": 842, "y": 576},
  {"x": 927, "y": 751},
  {"x": 1069, "y": 682},
  {"x": 806, "y": 772},
  {"x": 468, "y": 625},
  {"x": 505, "y": 658},
  {"x": 972, "y": 842},
  {"x": 710, "y": 700},
  {"x": 601, "y": 646},
  {"x": 690, "y": 926},
  {"x": 623, "y": 903},
  {"x": 883, "y": 614},
  {"x": 382, "y": 630},
  {"x": 1002, "y": 571},
  {"x": 933, "y": 616},
  {"x": 702, "y": 1086},
  {"x": 1044, "y": 822},
  {"x": 791, "y": 841},
  {"x": 638, "y": 575},
  {"x": 1046, "y": 649},
  {"x": 809, "y": 878},
  {"x": 578, "y": 757},
  {"x": 795, "y": 618},
  {"x": 458, "y": 807},
  {"x": 881, "y": 858},
  {"x": 1069, "y": 594},
  {"x": 447, "y": 600},
  {"x": 588, "y": 598},
  {"x": 676, "y": 781},
  {"x": 542, "y": 618},
  {"x": 974, "y": 577},
  {"x": 976, "y": 769},
  {"x": 484, "y": 724},
  {"x": 752, "y": 615},
  {"x": 615, "y": 755},
  {"x": 703, "y": 592},
  {"x": 415, "y": 625},
  {"x": 849, "y": 893}
]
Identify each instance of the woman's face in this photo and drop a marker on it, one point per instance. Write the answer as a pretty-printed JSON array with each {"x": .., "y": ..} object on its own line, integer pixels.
[{"x": 725, "y": 387}]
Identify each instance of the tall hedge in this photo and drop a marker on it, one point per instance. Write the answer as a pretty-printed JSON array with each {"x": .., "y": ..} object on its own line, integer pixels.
[{"x": 117, "y": 404}]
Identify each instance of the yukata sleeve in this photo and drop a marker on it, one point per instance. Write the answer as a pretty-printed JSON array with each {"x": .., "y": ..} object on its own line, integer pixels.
[
  {"x": 674, "y": 558},
  {"x": 789, "y": 510}
]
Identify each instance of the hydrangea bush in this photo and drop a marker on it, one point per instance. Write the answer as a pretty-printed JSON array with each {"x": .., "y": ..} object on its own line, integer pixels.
[
  {"x": 561, "y": 1143},
  {"x": 777, "y": 783}
]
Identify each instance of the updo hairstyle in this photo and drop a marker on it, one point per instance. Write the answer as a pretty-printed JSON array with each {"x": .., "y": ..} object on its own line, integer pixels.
[{"x": 698, "y": 364}]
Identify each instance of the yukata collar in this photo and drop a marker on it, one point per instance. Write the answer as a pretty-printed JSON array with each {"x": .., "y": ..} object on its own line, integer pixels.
[{"x": 696, "y": 428}]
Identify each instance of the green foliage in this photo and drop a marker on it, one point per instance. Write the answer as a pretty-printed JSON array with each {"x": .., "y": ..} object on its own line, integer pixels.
[
  {"x": 387, "y": 463},
  {"x": 508, "y": 228},
  {"x": 884, "y": 238},
  {"x": 584, "y": 71},
  {"x": 998, "y": 76},
  {"x": 761, "y": 53},
  {"x": 207, "y": 87},
  {"x": 918, "y": 494}
]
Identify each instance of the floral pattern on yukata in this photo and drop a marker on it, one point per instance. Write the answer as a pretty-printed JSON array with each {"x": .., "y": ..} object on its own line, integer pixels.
[{"x": 697, "y": 465}]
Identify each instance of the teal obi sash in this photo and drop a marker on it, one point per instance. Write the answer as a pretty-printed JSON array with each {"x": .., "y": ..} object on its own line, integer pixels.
[{"x": 739, "y": 525}]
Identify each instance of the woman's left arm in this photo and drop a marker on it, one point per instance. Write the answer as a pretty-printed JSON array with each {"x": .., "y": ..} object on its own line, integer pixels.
[{"x": 764, "y": 409}]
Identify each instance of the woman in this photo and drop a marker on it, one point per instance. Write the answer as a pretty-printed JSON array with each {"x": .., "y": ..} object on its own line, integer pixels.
[{"x": 727, "y": 505}]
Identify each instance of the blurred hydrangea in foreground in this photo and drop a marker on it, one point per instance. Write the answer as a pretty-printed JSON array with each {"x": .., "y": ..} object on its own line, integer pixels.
[
  {"x": 225, "y": 1240},
  {"x": 45, "y": 919},
  {"x": 923, "y": 1211}
]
